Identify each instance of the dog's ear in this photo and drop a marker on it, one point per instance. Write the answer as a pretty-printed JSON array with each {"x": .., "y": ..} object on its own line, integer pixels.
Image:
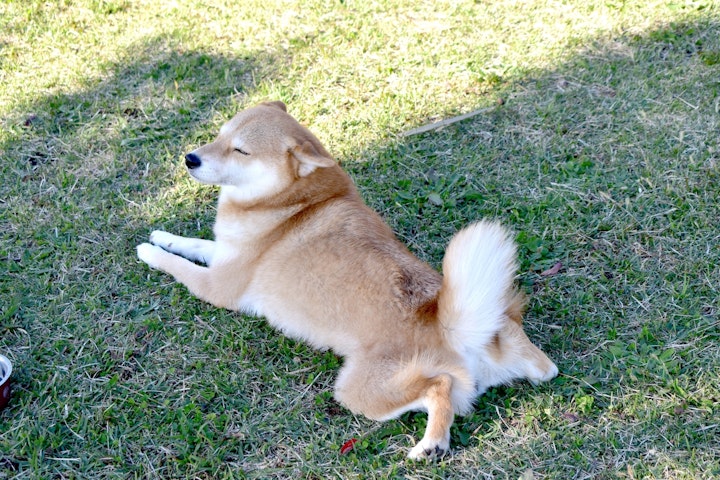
[
  {"x": 276, "y": 104},
  {"x": 310, "y": 158}
]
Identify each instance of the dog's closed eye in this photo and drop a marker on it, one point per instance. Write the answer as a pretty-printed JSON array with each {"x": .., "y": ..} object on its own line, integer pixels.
[{"x": 241, "y": 151}]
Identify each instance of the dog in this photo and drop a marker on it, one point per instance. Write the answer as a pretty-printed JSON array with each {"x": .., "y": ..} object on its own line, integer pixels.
[{"x": 295, "y": 243}]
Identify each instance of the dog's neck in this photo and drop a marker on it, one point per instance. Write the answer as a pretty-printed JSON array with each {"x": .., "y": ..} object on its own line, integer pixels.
[
  {"x": 303, "y": 196},
  {"x": 320, "y": 186}
]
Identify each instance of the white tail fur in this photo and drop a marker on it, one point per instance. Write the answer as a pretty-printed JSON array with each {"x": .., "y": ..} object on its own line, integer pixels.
[{"x": 479, "y": 269}]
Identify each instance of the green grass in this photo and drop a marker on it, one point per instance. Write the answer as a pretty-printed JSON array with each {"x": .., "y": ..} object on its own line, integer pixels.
[{"x": 600, "y": 148}]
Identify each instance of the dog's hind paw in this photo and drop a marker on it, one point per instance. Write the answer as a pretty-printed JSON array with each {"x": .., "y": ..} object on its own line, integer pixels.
[{"x": 421, "y": 451}]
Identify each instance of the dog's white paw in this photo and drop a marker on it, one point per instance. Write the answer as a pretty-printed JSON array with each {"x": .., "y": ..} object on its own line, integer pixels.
[
  {"x": 162, "y": 239},
  {"x": 429, "y": 450},
  {"x": 149, "y": 254}
]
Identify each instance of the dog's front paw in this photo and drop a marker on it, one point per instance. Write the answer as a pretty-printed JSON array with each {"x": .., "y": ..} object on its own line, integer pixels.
[
  {"x": 426, "y": 450},
  {"x": 150, "y": 254},
  {"x": 162, "y": 239}
]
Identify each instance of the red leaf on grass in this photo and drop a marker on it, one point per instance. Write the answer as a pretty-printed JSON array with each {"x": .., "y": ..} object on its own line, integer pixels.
[
  {"x": 554, "y": 270},
  {"x": 347, "y": 446}
]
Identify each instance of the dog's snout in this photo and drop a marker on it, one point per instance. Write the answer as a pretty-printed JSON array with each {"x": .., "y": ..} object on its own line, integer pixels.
[{"x": 192, "y": 161}]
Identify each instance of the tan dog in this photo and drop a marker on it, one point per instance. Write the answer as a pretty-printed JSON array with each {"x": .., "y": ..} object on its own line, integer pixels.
[{"x": 294, "y": 242}]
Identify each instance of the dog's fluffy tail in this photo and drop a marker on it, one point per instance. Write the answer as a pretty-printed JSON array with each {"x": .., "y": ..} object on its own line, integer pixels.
[{"x": 477, "y": 294}]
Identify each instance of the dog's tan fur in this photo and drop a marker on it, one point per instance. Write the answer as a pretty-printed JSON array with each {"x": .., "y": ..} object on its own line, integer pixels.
[{"x": 294, "y": 242}]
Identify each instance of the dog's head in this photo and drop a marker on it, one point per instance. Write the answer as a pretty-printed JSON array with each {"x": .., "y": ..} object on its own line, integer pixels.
[{"x": 260, "y": 152}]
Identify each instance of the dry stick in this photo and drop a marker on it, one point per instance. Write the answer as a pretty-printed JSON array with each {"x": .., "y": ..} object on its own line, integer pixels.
[{"x": 444, "y": 123}]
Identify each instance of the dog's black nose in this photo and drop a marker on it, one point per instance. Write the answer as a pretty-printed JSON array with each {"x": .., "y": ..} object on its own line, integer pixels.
[{"x": 192, "y": 161}]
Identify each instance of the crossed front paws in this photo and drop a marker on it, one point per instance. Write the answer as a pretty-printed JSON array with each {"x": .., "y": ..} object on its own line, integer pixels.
[{"x": 160, "y": 243}]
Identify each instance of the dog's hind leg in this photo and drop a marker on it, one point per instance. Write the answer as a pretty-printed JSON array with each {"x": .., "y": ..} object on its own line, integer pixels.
[
  {"x": 194, "y": 249},
  {"x": 378, "y": 392},
  {"x": 437, "y": 400}
]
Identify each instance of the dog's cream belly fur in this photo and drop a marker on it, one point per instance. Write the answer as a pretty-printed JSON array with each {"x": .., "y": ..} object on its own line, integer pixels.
[
  {"x": 303, "y": 310},
  {"x": 294, "y": 321}
]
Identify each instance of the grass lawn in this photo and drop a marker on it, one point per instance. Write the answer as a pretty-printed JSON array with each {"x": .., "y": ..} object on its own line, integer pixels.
[{"x": 598, "y": 142}]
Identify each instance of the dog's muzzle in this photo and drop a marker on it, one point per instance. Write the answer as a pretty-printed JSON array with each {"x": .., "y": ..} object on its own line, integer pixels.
[{"x": 192, "y": 161}]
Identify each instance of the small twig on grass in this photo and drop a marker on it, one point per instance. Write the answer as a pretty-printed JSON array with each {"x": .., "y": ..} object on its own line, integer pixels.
[{"x": 445, "y": 122}]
